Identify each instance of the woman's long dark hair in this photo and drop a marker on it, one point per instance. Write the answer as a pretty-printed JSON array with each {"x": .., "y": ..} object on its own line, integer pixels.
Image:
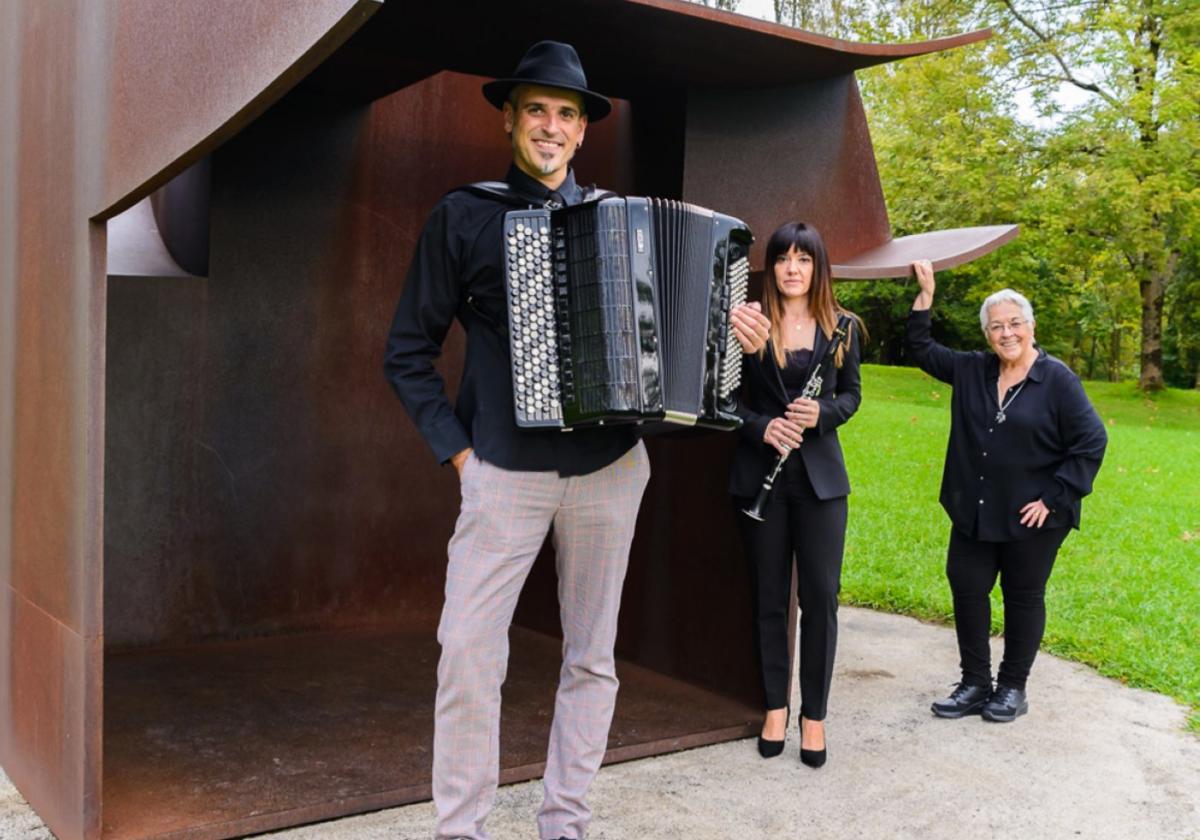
[{"x": 822, "y": 302}]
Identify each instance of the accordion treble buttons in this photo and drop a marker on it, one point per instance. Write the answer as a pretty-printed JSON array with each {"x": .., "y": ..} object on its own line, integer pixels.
[{"x": 626, "y": 318}]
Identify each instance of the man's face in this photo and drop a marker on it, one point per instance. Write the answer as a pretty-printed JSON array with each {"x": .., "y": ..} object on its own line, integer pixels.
[{"x": 547, "y": 126}]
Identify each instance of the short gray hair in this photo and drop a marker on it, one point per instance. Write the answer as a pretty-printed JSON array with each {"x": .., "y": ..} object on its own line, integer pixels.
[{"x": 1004, "y": 296}]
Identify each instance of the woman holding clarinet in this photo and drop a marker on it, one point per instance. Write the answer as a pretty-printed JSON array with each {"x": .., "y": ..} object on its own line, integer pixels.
[{"x": 788, "y": 479}]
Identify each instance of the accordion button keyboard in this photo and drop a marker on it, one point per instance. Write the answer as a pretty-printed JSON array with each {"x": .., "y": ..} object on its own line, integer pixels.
[{"x": 531, "y": 296}]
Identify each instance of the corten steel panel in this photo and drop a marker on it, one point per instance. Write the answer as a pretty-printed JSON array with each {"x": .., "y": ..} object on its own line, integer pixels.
[
  {"x": 186, "y": 76},
  {"x": 9, "y": 78},
  {"x": 801, "y": 153},
  {"x": 57, "y": 104},
  {"x": 688, "y": 607},
  {"x": 53, "y": 330},
  {"x": 49, "y": 694},
  {"x": 181, "y": 216},
  {"x": 225, "y": 514},
  {"x": 262, "y": 477},
  {"x": 53, "y": 375},
  {"x": 224, "y": 739},
  {"x": 944, "y": 248},
  {"x": 661, "y": 42}
]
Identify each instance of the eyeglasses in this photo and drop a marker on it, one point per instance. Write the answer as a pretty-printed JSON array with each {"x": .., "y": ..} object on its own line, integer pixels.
[{"x": 997, "y": 328}]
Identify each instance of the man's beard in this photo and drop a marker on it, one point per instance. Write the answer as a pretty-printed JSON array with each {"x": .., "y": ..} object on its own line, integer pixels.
[{"x": 553, "y": 163}]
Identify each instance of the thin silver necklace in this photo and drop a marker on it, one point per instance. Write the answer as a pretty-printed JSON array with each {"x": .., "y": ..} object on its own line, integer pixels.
[{"x": 1000, "y": 415}]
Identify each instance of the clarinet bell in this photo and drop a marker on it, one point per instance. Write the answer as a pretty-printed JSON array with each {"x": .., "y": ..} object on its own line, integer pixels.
[
  {"x": 754, "y": 514},
  {"x": 756, "y": 510}
]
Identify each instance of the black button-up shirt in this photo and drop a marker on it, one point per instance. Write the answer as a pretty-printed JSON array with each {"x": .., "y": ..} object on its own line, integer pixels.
[
  {"x": 459, "y": 252},
  {"x": 1049, "y": 446}
]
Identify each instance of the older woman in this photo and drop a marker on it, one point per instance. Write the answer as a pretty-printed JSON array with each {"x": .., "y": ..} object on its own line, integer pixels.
[{"x": 1025, "y": 446}]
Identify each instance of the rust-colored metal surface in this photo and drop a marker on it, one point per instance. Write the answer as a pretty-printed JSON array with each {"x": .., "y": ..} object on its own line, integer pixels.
[
  {"x": 53, "y": 368},
  {"x": 216, "y": 455},
  {"x": 50, "y": 691},
  {"x": 225, "y": 739},
  {"x": 796, "y": 153},
  {"x": 627, "y": 47},
  {"x": 181, "y": 215},
  {"x": 944, "y": 248},
  {"x": 187, "y": 76},
  {"x": 59, "y": 80}
]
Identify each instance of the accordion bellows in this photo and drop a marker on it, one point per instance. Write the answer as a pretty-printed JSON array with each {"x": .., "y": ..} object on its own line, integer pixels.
[{"x": 619, "y": 312}]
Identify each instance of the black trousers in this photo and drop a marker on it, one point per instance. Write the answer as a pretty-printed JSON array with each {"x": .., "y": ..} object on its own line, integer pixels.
[
  {"x": 1023, "y": 567},
  {"x": 809, "y": 533}
]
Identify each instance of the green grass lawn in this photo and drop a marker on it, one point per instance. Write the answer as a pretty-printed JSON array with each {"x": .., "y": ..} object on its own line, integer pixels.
[{"x": 1125, "y": 593}]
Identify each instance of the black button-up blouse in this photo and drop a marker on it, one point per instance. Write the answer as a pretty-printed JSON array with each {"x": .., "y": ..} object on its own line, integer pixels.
[{"x": 1049, "y": 445}]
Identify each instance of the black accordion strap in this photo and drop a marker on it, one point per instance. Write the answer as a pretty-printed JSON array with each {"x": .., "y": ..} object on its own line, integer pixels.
[
  {"x": 503, "y": 191},
  {"x": 595, "y": 193}
]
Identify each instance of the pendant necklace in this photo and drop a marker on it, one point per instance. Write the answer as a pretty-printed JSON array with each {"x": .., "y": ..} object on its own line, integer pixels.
[{"x": 1000, "y": 415}]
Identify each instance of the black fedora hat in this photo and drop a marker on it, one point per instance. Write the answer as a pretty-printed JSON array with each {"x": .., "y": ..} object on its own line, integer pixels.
[{"x": 551, "y": 64}]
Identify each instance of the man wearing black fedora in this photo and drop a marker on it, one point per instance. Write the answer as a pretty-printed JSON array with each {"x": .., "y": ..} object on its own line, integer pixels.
[{"x": 515, "y": 483}]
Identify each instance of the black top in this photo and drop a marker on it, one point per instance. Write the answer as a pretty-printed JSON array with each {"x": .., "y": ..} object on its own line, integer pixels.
[
  {"x": 460, "y": 250},
  {"x": 795, "y": 373},
  {"x": 1049, "y": 446},
  {"x": 763, "y": 397}
]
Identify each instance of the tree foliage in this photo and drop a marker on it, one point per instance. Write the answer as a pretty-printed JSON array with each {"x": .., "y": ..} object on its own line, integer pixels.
[{"x": 1130, "y": 148}]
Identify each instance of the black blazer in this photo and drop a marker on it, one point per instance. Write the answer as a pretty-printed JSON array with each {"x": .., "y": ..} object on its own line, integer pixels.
[{"x": 763, "y": 397}]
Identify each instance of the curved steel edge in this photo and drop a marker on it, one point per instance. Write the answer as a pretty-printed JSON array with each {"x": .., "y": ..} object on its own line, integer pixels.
[
  {"x": 288, "y": 77},
  {"x": 136, "y": 247},
  {"x": 779, "y": 30},
  {"x": 944, "y": 248}
]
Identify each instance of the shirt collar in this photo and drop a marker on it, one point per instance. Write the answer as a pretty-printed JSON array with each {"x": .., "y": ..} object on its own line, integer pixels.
[
  {"x": 568, "y": 191},
  {"x": 1037, "y": 372}
]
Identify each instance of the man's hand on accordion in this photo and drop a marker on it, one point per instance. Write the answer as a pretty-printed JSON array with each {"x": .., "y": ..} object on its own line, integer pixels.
[
  {"x": 751, "y": 326},
  {"x": 783, "y": 434}
]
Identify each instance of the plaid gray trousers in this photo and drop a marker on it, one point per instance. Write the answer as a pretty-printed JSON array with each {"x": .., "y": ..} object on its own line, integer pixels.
[{"x": 504, "y": 520}]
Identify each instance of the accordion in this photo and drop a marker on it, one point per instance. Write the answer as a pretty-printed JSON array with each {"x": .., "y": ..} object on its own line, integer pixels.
[{"x": 618, "y": 312}]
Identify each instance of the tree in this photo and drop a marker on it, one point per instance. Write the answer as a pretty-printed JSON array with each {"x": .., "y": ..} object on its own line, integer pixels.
[
  {"x": 952, "y": 152},
  {"x": 1133, "y": 144}
]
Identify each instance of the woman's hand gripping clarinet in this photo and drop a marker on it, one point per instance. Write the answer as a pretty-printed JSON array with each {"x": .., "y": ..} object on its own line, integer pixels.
[{"x": 812, "y": 388}]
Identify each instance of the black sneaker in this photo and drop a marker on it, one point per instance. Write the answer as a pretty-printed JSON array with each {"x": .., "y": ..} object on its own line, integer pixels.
[
  {"x": 1005, "y": 705},
  {"x": 964, "y": 700}
]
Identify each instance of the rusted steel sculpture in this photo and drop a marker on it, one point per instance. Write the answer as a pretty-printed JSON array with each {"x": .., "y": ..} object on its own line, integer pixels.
[{"x": 221, "y": 543}]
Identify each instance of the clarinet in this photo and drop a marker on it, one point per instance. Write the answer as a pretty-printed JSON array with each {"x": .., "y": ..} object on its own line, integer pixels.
[{"x": 811, "y": 388}]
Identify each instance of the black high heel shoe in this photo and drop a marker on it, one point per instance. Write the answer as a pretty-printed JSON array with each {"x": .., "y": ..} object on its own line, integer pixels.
[
  {"x": 770, "y": 749},
  {"x": 812, "y": 758}
]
